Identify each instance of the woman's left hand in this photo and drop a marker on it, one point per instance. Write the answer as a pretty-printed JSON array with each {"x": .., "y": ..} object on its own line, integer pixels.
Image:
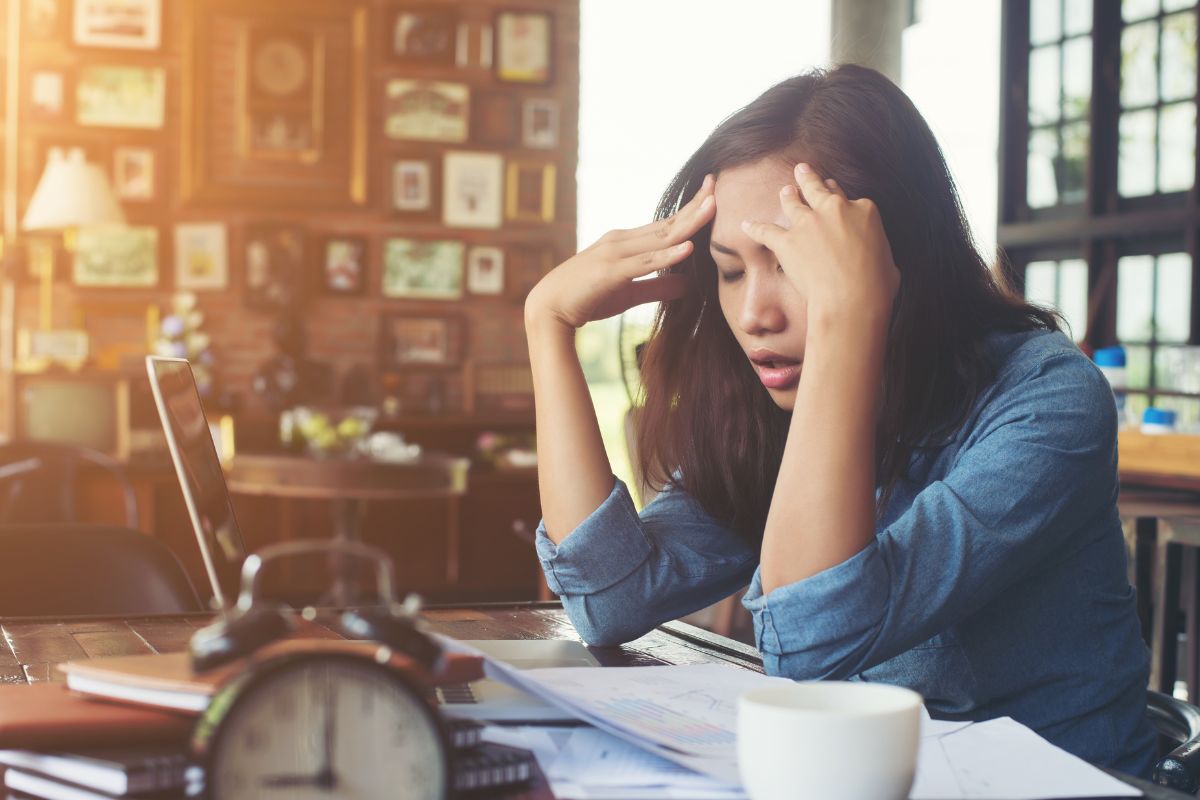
[{"x": 835, "y": 252}]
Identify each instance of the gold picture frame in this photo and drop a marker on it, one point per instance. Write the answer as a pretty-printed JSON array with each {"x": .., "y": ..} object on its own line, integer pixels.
[
  {"x": 281, "y": 80},
  {"x": 529, "y": 191}
]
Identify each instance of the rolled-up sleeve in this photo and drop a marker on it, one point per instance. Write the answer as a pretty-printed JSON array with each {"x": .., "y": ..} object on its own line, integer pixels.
[
  {"x": 1031, "y": 479},
  {"x": 619, "y": 573}
]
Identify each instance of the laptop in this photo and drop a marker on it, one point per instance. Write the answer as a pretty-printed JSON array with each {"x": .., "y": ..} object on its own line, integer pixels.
[
  {"x": 211, "y": 511},
  {"x": 201, "y": 478}
]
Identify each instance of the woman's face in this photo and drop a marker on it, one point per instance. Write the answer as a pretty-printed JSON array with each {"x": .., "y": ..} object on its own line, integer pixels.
[{"x": 767, "y": 315}]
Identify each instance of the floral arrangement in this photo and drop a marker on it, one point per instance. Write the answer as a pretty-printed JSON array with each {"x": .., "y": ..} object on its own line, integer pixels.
[{"x": 179, "y": 336}]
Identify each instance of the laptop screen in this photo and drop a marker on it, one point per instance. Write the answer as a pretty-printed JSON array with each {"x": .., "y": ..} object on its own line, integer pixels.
[{"x": 200, "y": 474}]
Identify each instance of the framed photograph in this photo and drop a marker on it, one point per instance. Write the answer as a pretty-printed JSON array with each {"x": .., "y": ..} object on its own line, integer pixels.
[
  {"x": 135, "y": 173},
  {"x": 344, "y": 265},
  {"x": 117, "y": 257},
  {"x": 426, "y": 341},
  {"x": 273, "y": 256},
  {"x": 43, "y": 19},
  {"x": 283, "y": 81},
  {"x": 529, "y": 195},
  {"x": 485, "y": 270},
  {"x": 432, "y": 111},
  {"x": 423, "y": 35},
  {"x": 201, "y": 256},
  {"x": 523, "y": 46},
  {"x": 281, "y": 134},
  {"x": 539, "y": 123},
  {"x": 120, "y": 97},
  {"x": 494, "y": 119},
  {"x": 132, "y": 24},
  {"x": 423, "y": 270},
  {"x": 472, "y": 188},
  {"x": 47, "y": 95},
  {"x": 412, "y": 185}
]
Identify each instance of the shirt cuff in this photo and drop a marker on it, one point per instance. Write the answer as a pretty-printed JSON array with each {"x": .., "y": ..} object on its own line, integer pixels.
[
  {"x": 827, "y": 614},
  {"x": 605, "y": 548}
]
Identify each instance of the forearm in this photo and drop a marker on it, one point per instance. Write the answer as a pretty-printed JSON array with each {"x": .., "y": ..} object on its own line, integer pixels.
[
  {"x": 823, "y": 508},
  {"x": 574, "y": 475}
]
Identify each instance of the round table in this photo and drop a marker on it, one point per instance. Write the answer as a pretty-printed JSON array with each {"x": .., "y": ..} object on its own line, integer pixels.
[{"x": 350, "y": 483}]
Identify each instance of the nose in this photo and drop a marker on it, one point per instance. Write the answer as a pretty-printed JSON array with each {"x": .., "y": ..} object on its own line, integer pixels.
[{"x": 760, "y": 310}]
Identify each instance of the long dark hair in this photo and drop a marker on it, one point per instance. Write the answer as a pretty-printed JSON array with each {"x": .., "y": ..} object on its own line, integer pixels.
[{"x": 708, "y": 426}]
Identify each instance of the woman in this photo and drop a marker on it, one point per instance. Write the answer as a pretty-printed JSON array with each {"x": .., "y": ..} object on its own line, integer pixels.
[{"x": 914, "y": 469}]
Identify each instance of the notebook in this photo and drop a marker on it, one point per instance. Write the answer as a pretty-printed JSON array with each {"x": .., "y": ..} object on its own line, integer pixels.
[
  {"x": 113, "y": 769},
  {"x": 47, "y": 715}
]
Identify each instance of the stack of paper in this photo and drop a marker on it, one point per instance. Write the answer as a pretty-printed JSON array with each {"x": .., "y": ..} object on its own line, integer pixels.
[{"x": 687, "y": 715}]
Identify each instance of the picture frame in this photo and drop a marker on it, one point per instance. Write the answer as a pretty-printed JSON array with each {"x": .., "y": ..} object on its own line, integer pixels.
[
  {"x": 38, "y": 350},
  {"x": 412, "y": 185},
  {"x": 423, "y": 35},
  {"x": 431, "y": 111},
  {"x": 48, "y": 95},
  {"x": 135, "y": 173},
  {"x": 473, "y": 190},
  {"x": 485, "y": 270},
  {"x": 539, "y": 123},
  {"x": 273, "y": 266},
  {"x": 201, "y": 256},
  {"x": 412, "y": 340},
  {"x": 494, "y": 119},
  {"x": 343, "y": 265},
  {"x": 530, "y": 191},
  {"x": 125, "y": 24},
  {"x": 117, "y": 257},
  {"x": 524, "y": 49},
  {"x": 282, "y": 75},
  {"x": 416, "y": 269},
  {"x": 120, "y": 97}
]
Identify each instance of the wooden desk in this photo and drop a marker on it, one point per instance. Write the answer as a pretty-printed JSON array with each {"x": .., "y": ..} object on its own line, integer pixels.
[{"x": 31, "y": 648}]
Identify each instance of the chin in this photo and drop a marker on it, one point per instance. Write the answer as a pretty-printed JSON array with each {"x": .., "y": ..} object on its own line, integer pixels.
[{"x": 784, "y": 398}]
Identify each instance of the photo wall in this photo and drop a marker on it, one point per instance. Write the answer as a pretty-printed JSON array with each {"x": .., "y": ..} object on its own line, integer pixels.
[{"x": 395, "y": 175}]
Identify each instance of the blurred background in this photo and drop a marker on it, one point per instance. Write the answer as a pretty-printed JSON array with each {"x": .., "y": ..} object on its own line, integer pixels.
[{"x": 335, "y": 208}]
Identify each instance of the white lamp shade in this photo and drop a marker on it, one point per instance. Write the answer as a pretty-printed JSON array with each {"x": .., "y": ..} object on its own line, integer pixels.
[{"x": 72, "y": 194}]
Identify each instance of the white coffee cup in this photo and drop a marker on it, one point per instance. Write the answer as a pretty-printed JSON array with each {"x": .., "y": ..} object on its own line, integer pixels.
[{"x": 828, "y": 740}]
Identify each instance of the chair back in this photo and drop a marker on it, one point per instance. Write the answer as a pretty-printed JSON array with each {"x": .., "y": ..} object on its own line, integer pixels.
[
  {"x": 89, "y": 570},
  {"x": 38, "y": 482},
  {"x": 1178, "y": 722}
]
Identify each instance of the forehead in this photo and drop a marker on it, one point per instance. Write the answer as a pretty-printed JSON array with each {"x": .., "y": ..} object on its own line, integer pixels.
[{"x": 750, "y": 191}]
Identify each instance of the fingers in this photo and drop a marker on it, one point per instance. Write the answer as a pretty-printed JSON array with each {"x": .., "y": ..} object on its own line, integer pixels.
[
  {"x": 679, "y": 226},
  {"x": 635, "y": 293},
  {"x": 767, "y": 234},
  {"x": 812, "y": 187},
  {"x": 635, "y": 266}
]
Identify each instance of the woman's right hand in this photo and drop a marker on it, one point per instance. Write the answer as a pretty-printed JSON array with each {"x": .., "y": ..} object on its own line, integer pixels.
[{"x": 598, "y": 282}]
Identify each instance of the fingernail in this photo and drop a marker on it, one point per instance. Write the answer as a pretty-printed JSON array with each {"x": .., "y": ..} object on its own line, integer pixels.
[
  {"x": 788, "y": 190},
  {"x": 705, "y": 203},
  {"x": 802, "y": 167}
]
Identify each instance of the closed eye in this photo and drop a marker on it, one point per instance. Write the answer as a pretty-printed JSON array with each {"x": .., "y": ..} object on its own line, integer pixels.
[{"x": 730, "y": 277}]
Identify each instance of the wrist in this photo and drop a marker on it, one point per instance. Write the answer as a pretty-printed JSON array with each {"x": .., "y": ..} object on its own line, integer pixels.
[{"x": 542, "y": 324}]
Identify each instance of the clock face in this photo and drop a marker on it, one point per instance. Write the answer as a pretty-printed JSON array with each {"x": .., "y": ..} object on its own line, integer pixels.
[
  {"x": 279, "y": 67},
  {"x": 327, "y": 728}
]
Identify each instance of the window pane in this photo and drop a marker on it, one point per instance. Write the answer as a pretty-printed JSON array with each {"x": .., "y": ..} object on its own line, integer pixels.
[
  {"x": 1177, "y": 147},
  {"x": 1137, "y": 368},
  {"x": 1044, "y": 21},
  {"x": 1135, "y": 406},
  {"x": 1135, "y": 168},
  {"x": 1138, "y": 9},
  {"x": 1073, "y": 295},
  {"x": 1187, "y": 411},
  {"x": 1139, "y": 76},
  {"x": 1173, "y": 315},
  {"x": 1177, "y": 369},
  {"x": 1178, "y": 67},
  {"x": 1135, "y": 298},
  {"x": 1175, "y": 5},
  {"x": 1044, "y": 84},
  {"x": 1042, "y": 189},
  {"x": 1077, "y": 17},
  {"x": 1077, "y": 78},
  {"x": 1073, "y": 172},
  {"x": 1041, "y": 283}
]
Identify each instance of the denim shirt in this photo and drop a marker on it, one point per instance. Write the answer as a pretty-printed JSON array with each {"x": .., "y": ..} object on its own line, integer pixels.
[{"x": 995, "y": 585}]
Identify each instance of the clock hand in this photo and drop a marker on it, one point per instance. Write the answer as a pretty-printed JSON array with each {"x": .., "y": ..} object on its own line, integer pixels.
[
  {"x": 283, "y": 781},
  {"x": 326, "y": 778}
]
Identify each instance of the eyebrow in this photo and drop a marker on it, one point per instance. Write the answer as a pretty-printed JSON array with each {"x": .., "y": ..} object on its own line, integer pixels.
[{"x": 720, "y": 248}]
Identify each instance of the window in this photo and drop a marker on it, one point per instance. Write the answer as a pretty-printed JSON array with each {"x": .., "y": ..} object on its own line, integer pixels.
[{"x": 1098, "y": 213}]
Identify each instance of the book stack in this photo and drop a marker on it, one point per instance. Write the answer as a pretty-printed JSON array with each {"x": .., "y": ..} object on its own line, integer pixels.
[{"x": 148, "y": 771}]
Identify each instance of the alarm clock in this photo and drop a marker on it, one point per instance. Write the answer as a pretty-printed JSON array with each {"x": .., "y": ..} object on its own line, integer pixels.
[{"x": 321, "y": 718}]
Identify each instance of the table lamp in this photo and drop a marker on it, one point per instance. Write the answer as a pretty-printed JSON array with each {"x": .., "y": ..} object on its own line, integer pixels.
[{"x": 71, "y": 194}]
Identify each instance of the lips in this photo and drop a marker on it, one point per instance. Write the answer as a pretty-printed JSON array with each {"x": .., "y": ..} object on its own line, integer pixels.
[{"x": 774, "y": 370}]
